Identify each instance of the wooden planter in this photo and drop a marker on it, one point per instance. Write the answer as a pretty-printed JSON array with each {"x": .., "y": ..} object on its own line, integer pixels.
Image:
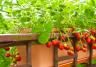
[
  {"x": 40, "y": 54},
  {"x": 43, "y": 56}
]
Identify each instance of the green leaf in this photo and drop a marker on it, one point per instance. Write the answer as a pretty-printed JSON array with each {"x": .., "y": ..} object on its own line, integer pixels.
[
  {"x": 44, "y": 35},
  {"x": 94, "y": 61},
  {"x": 43, "y": 38},
  {"x": 48, "y": 27},
  {"x": 89, "y": 12}
]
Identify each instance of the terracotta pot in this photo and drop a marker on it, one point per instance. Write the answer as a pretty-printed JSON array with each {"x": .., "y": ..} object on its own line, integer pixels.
[{"x": 41, "y": 55}]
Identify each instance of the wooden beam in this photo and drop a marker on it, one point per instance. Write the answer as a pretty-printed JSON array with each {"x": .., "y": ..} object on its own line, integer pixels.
[
  {"x": 24, "y": 37},
  {"x": 15, "y": 43},
  {"x": 55, "y": 57},
  {"x": 70, "y": 61},
  {"x": 62, "y": 58},
  {"x": 17, "y": 37},
  {"x": 28, "y": 54}
]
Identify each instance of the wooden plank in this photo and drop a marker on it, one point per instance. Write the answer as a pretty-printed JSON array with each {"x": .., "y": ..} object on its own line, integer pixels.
[
  {"x": 23, "y": 65},
  {"x": 62, "y": 58},
  {"x": 28, "y": 54},
  {"x": 17, "y": 37},
  {"x": 17, "y": 43},
  {"x": 30, "y": 36},
  {"x": 75, "y": 52},
  {"x": 69, "y": 62},
  {"x": 90, "y": 55},
  {"x": 55, "y": 56}
]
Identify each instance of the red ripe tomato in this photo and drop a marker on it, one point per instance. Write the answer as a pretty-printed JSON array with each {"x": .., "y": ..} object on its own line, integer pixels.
[
  {"x": 49, "y": 44},
  {"x": 78, "y": 48},
  {"x": 84, "y": 49},
  {"x": 7, "y": 48},
  {"x": 70, "y": 53},
  {"x": 93, "y": 41},
  {"x": 71, "y": 48},
  {"x": 85, "y": 35},
  {"x": 62, "y": 38},
  {"x": 55, "y": 42},
  {"x": 77, "y": 35},
  {"x": 66, "y": 47},
  {"x": 88, "y": 40},
  {"x": 85, "y": 46},
  {"x": 61, "y": 47},
  {"x": 8, "y": 54},
  {"x": 94, "y": 46},
  {"x": 18, "y": 58},
  {"x": 93, "y": 32}
]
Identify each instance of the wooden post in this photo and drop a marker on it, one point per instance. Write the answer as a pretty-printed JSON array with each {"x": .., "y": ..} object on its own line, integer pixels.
[
  {"x": 90, "y": 55},
  {"x": 75, "y": 52},
  {"x": 55, "y": 57},
  {"x": 28, "y": 54}
]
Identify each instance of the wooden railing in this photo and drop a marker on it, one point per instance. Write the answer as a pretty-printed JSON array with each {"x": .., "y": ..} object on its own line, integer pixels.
[
  {"x": 7, "y": 40},
  {"x": 27, "y": 40}
]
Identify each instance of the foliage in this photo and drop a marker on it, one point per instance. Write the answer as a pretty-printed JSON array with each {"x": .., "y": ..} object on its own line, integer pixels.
[
  {"x": 42, "y": 15},
  {"x": 60, "y": 13},
  {"x": 16, "y": 14},
  {"x": 6, "y": 61}
]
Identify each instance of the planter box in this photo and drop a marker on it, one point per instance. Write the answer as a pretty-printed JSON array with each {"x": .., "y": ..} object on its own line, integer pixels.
[{"x": 43, "y": 56}]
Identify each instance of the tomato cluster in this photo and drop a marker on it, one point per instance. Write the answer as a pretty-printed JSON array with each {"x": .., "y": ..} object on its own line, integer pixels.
[
  {"x": 82, "y": 41},
  {"x": 14, "y": 56}
]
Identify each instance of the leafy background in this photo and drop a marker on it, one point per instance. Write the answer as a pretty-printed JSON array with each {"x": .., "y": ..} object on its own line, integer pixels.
[
  {"x": 36, "y": 14},
  {"x": 41, "y": 16}
]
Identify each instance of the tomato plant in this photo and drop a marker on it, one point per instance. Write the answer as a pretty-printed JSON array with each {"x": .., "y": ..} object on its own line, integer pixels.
[
  {"x": 41, "y": 16},
  {"x": 9, "y": 56}
]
